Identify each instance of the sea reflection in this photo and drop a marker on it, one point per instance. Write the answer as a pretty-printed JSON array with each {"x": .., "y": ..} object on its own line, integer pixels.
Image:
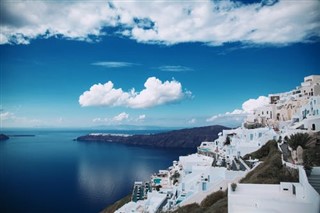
[
  {"x": 106, "y": 172},
  {"x": 101, "y": 178},
  {"x": 97, "y": 182}
]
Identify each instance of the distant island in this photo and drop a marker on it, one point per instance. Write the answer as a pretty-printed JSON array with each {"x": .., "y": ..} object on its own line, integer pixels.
[
  {"x": 184, "y": 138},
  {"x": 3, "y": 137}
]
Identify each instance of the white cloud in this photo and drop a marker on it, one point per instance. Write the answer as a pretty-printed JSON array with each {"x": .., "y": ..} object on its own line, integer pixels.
[
  {"x": 60, "y": 120},
  {"x": 237, "y": 116},
  {"x": 229, "y": 120},
  {"x": 211, "y": 22},
  {"x": 96, "y": 120},
  {"x": 141, "y": 117},
  {"x": 155, "y": 93},
  {"x": 174, "y": 68},
  {"x": 192, "y": 121},
  {"x": 7, "y": 116},
  {"x": 78, "y": 20},
  {"x": 121, "y": 117},
  {"x": 113, "y": 64},
  {"x": 250, "y": 105},
  {"x": 10, "y": 119}
]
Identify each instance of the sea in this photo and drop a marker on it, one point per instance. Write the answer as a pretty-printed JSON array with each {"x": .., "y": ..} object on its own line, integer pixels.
[{"x": 45, "y": 170}]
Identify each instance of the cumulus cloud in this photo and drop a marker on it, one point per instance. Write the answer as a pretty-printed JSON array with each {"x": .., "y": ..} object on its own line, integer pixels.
[
  {"x": 7, "y": 116},
  {"x": 210, "y": 22},
  {"x": 250, "y": 105},
  {"x": 121, "y": 117},
  {"x": 141, "y": 117},
  {"x": 155, "y": 93},
  {"x": 174, "y": 68},
  {"x": 113, "y": 64},
  {"x": 192, "y": 121},
  {"x": 237, "y": 116},
  {"x": 78, "y": 20}
]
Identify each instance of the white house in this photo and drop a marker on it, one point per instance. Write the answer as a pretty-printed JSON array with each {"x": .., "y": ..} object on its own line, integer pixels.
[{"x": 284, "y": 197}]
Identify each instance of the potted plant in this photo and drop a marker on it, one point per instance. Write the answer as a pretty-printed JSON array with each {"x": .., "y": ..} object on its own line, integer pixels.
[{"x": 233, "y": 186}]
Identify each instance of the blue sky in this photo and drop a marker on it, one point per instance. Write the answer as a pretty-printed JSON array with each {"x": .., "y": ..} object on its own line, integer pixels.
[{"x": 187, "y": 69}]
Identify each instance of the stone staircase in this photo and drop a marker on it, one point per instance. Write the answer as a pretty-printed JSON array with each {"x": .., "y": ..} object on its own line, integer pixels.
[{"x": 314, "y": 181}]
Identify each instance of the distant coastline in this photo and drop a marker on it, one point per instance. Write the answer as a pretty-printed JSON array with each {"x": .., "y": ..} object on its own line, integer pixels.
[
  {"x": 184, "y": 138},
  {"x": 3, "y": 137}
]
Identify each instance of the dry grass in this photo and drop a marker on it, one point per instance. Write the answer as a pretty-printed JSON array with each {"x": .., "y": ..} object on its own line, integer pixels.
[
  {"x": 212, "y": 199},
  {"x": 271, "y": 171}
]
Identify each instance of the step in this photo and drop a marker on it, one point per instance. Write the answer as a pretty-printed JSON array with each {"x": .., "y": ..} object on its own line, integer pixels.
[
  {"x": 315, "y": 186},
  {"x": 314, "y": 178}
]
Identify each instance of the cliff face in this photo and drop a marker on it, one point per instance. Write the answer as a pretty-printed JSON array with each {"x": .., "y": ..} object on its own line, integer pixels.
[
  {"x": 184, "y": 138},
  {"x": 3, "y": 137}
]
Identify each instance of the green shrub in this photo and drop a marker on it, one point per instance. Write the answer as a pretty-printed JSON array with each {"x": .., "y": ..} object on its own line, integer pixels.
[{"x": 299, "y": 139}]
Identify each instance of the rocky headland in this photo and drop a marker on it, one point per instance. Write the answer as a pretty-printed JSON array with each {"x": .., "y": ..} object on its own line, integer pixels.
[
  {"x": 3, "y": 137},
  {"x": 184, "y": 138}
]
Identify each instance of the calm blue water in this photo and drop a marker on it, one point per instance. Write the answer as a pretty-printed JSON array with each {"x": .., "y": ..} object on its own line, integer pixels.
[{"x": 52, "y": 173}]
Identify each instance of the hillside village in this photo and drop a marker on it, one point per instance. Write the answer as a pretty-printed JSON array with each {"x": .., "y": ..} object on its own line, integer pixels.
[{"x": 290, "y": 123}]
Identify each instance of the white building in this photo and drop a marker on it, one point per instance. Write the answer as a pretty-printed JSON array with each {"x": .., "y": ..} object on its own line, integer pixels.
[
  {"x": 189, "y": 161},
  {"x": 242, "y": 141},
  {"x": 284, "y": 106},
  {"x": 284, "y": 197},
  {"x": 194, "y": 177},
  {"x": 309, "y": 115},
  {"x": 151, "y": 205}
]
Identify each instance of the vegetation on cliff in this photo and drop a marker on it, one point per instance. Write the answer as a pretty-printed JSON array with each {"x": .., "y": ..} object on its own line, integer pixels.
[{"x": 271, "y": 170}]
